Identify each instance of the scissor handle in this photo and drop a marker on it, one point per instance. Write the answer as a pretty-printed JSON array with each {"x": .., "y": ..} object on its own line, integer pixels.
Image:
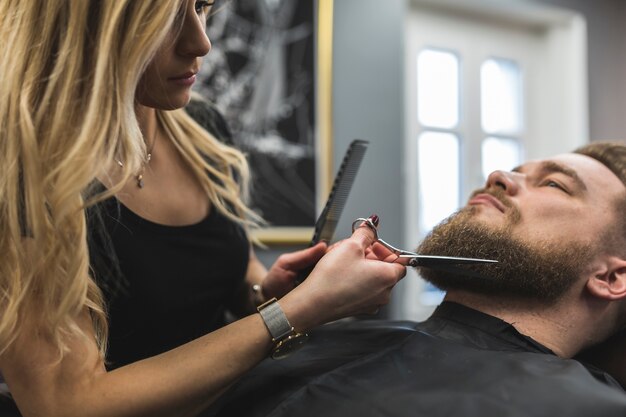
[
  {"x": 400, "y": 253},
  {"x": 368, "y": 222}
]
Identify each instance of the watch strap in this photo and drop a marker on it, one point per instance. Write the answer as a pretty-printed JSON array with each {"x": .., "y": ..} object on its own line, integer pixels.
[{"x": 275, "y": 320}]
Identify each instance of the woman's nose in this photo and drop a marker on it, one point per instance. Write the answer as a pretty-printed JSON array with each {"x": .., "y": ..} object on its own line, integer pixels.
[
  {"x": 193, "y": 40},
  {"x": 505, "y": 180}
]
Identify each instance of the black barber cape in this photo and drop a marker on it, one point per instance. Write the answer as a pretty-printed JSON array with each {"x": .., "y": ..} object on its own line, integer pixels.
[{"x": 460, "y": 362}]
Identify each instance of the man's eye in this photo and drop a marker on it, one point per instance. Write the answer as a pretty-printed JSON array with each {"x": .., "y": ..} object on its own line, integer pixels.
[
  {"x": 203, "y": 7},
  {"x": 554, "y": 184}
]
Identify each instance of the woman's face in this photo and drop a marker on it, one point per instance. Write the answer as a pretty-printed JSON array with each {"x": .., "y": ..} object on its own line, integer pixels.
[{"x": 166, "y": 83}]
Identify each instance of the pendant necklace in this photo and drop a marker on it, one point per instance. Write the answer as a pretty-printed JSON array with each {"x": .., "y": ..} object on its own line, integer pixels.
[{"x": 139, "y": 177}]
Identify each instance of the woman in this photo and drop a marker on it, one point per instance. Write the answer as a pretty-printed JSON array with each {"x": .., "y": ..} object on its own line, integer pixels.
[
  {"x": 76, "y": 104},
  {"x": 176, "y": 239}
]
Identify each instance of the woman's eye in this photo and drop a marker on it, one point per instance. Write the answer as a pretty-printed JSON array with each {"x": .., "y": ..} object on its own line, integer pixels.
[{"x": 203, "y": 7}]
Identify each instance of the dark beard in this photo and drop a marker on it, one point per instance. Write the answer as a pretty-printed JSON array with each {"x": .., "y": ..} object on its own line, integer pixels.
[{"x": 542, "y": 272}]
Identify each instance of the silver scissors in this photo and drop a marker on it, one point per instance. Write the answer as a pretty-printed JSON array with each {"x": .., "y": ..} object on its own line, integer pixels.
[{"x": 440, "y": 262}]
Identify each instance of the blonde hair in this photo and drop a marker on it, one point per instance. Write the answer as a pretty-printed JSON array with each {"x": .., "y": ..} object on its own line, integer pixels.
[{"x": 69, "y": 70}]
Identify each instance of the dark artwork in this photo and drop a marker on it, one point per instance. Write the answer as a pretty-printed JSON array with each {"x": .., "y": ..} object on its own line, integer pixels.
[{"x": 260, "y": 75}]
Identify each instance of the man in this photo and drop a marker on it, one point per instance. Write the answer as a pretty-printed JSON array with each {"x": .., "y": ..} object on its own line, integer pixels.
[{"x": 501, "y": 342}]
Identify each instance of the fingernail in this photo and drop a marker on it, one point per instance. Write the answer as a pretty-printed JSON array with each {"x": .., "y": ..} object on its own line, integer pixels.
[{"x": 375, "y": 219}]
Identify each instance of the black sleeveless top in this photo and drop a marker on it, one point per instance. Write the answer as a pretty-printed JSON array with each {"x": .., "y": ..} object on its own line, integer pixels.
[{"x": 164, "y": 285}]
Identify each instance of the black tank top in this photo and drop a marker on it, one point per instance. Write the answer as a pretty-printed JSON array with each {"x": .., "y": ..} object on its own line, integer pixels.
[
  {"x": 164, "y": 285},
  {"x": 170, "y": 285}
]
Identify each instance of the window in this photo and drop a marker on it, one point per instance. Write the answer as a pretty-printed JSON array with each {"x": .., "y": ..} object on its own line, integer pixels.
[
  {"x": 438, "y": 89},
  {"x": 501, "y": 110},
  {"x": 438, "y": 96},
  {"x": 499, "y": 153},
  {"x": 501, "y": 97},
  {"x": 438, "y": 164}
]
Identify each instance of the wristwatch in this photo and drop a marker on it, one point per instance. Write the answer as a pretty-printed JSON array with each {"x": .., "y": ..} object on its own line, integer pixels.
[{"x": 284, "y": 336}]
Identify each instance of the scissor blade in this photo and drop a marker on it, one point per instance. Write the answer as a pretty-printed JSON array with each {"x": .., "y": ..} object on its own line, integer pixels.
[
  {"x": 429, "y": 261},
  {"x": 458, "y": 269}
]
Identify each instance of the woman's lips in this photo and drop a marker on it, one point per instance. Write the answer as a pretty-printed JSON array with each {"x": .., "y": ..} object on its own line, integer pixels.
[
  {"x": 487, "y": 199},
  {"x": 186, "y": 79}
]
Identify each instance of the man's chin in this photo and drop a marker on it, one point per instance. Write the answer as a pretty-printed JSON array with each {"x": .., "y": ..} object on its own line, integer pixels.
[{"x": 539, "y": 271}]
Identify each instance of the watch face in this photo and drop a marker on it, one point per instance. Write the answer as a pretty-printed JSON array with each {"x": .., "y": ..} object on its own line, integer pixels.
[{"x": 288, "y": 345}]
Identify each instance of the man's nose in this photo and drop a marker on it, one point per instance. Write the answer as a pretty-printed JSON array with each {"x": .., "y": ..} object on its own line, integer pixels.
[{"x": 505, "y": 180}]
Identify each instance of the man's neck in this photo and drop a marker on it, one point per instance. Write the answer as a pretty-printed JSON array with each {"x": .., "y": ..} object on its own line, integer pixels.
[{"x": 557, "y": 326}]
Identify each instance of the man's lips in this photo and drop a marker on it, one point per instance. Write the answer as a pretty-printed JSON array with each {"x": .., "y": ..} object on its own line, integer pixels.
[{"x": 487, "y": 199}]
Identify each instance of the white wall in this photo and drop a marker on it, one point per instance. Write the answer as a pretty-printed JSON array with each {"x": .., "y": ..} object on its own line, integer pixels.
[{"x": 606, "y": 28}]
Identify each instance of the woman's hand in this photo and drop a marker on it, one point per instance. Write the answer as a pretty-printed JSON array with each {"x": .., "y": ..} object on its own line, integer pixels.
[
  {"x": 352, "y": 278},
  {"x": 281, "y": 277}
]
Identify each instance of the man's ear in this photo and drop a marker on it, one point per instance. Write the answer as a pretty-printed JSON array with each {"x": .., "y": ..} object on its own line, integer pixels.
[{"x": 609, "y": 282}]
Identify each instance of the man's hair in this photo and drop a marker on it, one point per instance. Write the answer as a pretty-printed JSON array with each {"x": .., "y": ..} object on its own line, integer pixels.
[
  {"x": 613, "y": 156},
  {"x": 610, "y": 154}
]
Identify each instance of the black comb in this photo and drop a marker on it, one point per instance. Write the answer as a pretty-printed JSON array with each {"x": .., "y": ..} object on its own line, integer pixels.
[{"x": 328, "y": 219}]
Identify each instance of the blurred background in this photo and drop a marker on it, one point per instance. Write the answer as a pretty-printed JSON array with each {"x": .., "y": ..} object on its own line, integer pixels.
[{"x": 447, "y": 91}]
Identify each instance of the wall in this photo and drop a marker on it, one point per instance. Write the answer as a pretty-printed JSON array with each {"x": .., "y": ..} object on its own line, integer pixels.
[{"x": 607, "y": 64}]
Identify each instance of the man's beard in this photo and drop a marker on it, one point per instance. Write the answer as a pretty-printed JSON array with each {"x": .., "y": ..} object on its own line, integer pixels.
[{"x": 540, "y": 271}]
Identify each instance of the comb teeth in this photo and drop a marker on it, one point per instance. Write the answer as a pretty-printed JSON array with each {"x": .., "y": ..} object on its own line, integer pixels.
[{"x": 328, "y": 219}]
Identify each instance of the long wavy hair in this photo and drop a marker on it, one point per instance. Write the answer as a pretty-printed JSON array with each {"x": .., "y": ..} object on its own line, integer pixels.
[{"x": 69, "y": 70}]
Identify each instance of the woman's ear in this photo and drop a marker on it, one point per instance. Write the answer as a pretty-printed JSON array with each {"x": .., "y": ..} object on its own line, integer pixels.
[{"x": 609, "y": 283}]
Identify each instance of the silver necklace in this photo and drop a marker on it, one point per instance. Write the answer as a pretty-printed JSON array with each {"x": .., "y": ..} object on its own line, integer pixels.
[{"x": 139, "y": 177}]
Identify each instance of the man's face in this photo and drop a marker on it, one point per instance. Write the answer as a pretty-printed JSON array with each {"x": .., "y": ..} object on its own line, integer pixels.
[{"x": 545, "y": 222}]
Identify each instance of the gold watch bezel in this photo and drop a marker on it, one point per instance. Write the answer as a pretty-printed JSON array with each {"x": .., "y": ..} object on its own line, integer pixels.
[{"x": 288, "y": 345}]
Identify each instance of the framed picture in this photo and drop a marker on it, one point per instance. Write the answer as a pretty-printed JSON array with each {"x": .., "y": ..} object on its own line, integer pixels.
[{"x": 269, "y": 74}]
